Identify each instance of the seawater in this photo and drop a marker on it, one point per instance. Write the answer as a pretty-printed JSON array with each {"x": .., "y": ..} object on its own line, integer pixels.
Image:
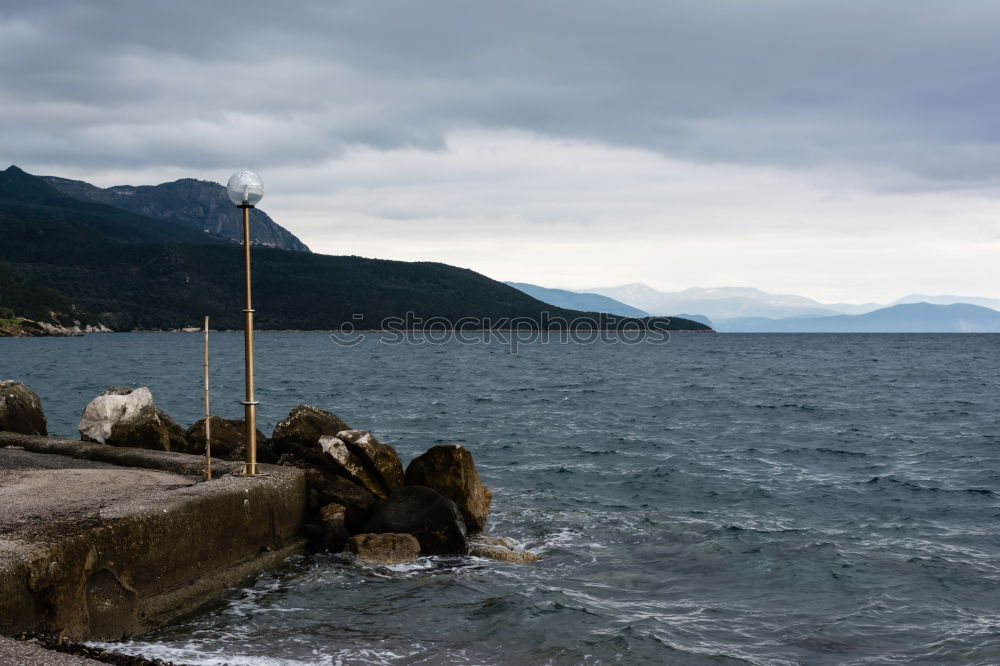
[{"x": 720, "y": 499}]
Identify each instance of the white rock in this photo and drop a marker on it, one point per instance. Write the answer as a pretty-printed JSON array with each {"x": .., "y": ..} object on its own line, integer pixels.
[{"x": 105, "y": 411}]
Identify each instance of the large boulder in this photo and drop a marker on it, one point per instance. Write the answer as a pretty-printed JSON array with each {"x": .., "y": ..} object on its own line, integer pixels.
[
  {"x": 298, "y": 434},
  {"x": 427, "y": 515},
  {"x": 379, "y": 457},
  {"x": 21, "y": 410},
  {"x": 449, "y": 469},
  {"x": 350, "y": 465},
  {"x": 386, "y": 548},
  {"x": 128, "y": 417},
  {"x": 228, "y": 435}
]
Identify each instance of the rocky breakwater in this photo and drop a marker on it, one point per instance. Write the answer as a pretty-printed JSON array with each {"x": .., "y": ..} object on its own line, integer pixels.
[
  {"x": 359, "y": 496},
  {"x": 361, "y": 499}
]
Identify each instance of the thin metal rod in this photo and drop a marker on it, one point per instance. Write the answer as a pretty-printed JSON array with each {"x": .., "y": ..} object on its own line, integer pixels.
[
  {"x": 250, "y": 467},
  {"x": 208, "y": 414}
]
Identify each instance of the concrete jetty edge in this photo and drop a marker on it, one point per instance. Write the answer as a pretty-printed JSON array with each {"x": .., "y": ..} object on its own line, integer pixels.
[{"x": 139, "y": 563}]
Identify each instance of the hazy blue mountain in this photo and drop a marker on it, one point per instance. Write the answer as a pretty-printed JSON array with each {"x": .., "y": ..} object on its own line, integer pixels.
[
  {"x": 696, "y": 317},
  {"x": 904, "y": 318},
  {"x": 716, "y": 303},
  {"x": 573, "y": 300},
  {"x": 196, "y": 204},
  {"x": 944, "y": 299}
]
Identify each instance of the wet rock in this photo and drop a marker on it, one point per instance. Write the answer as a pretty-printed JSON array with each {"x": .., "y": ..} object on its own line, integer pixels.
[
  {"x": 350, "y": 465},
  {"x": 432, "y": 518},
  {"x": 331, "y": 488},
  {"x": 21, "y": 410},
  {"x": 379, "y": 457},
  {"x": 385, "y": 548},
  {"x": 227, "y": 436},
  {"x": 449, "y": 470},
  {"x": 499, "y": 548},
  {"x": 333, "y": 518},
  {"x": 298, "y": 434},
  {"x": 128, "y": 417}
]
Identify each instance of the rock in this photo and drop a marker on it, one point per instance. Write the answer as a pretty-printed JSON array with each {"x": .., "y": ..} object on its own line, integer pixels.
[
  {"x": 299, "y": 433},
  {"x": 359, "y": 503},
  {"x": 21, "y": 410},
  {"x": 349, "y": 464},
  {"x": 385, "y": 548},
  {"x": 128, "y": 417},
  {"x": 227, "y": 436},
  {"x": 379, "y": 457},
  {"x": 265, "y": 452},
  {"x": 449, "y": 469},
  {"x": 432, "y": 518},
  {"x": 499, "y": 548},
  {"x": 333, "y": 517}
]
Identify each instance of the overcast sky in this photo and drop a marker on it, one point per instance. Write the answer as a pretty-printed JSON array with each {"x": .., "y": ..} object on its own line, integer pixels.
[{"x": 847, "y": 151}]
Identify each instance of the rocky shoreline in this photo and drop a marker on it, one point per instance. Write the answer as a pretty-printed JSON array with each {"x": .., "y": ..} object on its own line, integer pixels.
[
  {"x": 17, "y": 327},
  {"x": 360, "y": 498}
]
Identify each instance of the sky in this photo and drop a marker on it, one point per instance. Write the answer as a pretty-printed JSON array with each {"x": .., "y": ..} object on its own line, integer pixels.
[{"x": 847, "y": 151}]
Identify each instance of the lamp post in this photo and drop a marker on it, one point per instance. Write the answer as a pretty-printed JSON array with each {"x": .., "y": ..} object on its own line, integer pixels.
[{"x": 245, "y": 189}]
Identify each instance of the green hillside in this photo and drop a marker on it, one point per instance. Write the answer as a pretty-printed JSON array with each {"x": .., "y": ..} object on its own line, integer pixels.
[{"x": 62, "y": 259}]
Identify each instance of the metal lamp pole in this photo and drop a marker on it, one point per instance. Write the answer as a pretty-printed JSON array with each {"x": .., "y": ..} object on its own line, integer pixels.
[{"x": 245, "y": 189}]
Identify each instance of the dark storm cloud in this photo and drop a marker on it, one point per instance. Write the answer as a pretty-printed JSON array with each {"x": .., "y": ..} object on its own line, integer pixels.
[{"x": 908, "y": 85}]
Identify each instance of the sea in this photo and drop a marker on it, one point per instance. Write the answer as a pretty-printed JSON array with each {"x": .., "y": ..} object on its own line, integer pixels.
[{"x": 697, "y": 499}]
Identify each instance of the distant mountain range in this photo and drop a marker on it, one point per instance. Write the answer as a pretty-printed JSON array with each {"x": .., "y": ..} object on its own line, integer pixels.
[
  {"x": 575, "y": 300},
  {"x": 736, "y": 309},
  {"x": 718, "y": 303},
  {"x": 190, "y": 203},
  {"x": 904, "y": 318},
  {"x": 993, "y": 303},
  {"x": 65, "y": 260}
]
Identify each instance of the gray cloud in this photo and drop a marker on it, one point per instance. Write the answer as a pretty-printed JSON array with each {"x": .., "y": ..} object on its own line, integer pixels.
[{"x": 906, "y": 86}]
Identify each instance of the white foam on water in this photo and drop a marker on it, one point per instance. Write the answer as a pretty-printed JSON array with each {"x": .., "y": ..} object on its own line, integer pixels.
[{"x": 193, "y": 654}]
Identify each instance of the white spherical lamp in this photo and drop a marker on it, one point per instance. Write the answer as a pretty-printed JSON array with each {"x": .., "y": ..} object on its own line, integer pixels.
[{"x": 245, "y": 188}]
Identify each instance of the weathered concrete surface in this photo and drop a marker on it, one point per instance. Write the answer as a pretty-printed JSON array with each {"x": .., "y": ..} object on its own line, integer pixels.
[
  {"x": 38, "y": 491},
  {"x": 119, "y": 560}
]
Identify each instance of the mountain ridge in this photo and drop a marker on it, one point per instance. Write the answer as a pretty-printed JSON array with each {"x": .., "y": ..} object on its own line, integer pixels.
[
  {"x": 901, "y": 318},
  {"x": 196, "y": 204},
  {"x": 575, "y": 300},
  {"x": 724, "y": 303}
]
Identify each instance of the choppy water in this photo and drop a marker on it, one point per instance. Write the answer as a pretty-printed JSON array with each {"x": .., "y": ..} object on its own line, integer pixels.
[{"x": 765, "y": 499}]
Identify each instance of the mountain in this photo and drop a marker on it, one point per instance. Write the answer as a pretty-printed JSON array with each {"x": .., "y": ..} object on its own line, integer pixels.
[
  {"x": 903, "y": 318},
  {"x": 28, "y": 201},
  {"x": 574, "y": 300},
  {"x": 65, "y": 260},
  {"x": 195, "y": 204},
  {"x": 696, "y": 317},
  {"x": 993, "y": 303},
  {"x": 716, "y": 303}
]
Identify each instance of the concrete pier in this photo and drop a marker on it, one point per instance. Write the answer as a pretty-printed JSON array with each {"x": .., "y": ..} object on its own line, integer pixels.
[{"x": 104, "y": 542}]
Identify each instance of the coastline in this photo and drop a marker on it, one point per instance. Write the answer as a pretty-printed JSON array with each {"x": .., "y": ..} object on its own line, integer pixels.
[
  {"x": 48, "y": 330},
  {"x": 19, "y": 327}
]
